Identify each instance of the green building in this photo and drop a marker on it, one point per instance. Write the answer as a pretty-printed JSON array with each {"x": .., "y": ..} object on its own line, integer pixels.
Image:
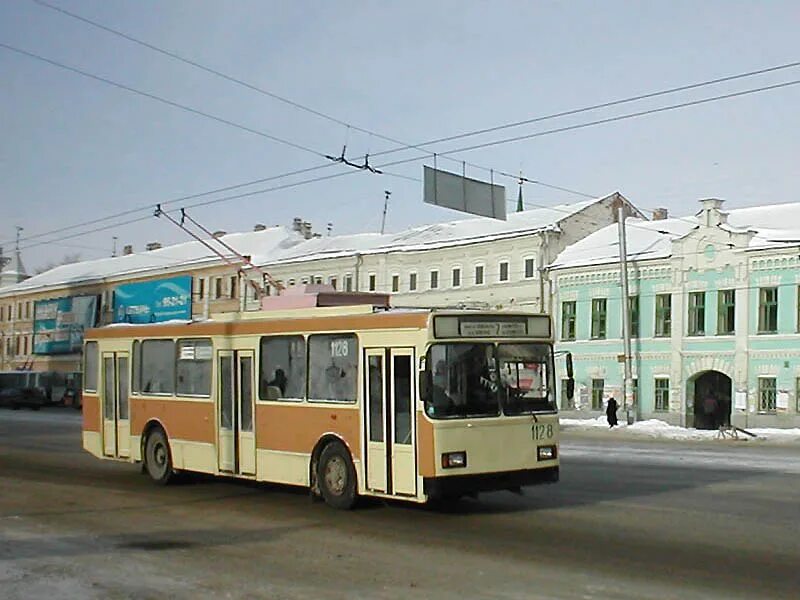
[{"x": 714, "y": 305}]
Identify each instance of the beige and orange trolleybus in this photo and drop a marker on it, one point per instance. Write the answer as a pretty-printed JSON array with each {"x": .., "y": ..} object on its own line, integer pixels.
[{"x": 346, "y": 400}]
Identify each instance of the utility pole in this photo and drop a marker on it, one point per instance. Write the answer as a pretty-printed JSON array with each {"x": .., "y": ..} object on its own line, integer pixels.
[
  {"x": 113, "y": 246},
  {"x": 387, "y": 193},
  {"x": 631, "y": 409}
]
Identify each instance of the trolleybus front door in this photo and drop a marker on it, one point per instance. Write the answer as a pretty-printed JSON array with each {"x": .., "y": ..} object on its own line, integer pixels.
[
  {"x": 389, "y": 421},
  {"x": 236, "y": 441},
  {"x": 116, "y": 418}
]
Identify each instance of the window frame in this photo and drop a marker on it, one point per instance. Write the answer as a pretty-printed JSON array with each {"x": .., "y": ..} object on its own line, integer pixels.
[
  {"x": 480, "y": 267},
  {"x": 412, "y": 281},
  {"x": 356, "y": 366},
  {"x": 599, "y": 319},
  {"x": 504, "y": 265},
  {"x": 767, "y": 310},
  {"x": 634, "y": 320},
  {"x": 210, "y": 361},
  {"x": 569, "y": 322},
  {"x": 433, "y": 279},
  {"x": 372, "y": 282},
  {"x": 696, "y": 314},
  {"x": 532, "y": 261},
  {"x": 261, "y": 391},
  {"x": 395, "y": 282},
  {"x": 600, "y": 391},
  {"x": 663, "y": 315},
  {"x": 726, "y": 310},
  {"x": 455, "y": 277},
  {"x": 660, "y": 390},
  {"x": 764, "y": 389}
]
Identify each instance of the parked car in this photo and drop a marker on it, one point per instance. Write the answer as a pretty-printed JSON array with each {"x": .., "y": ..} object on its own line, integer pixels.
[{"x": 16, "y": 397}]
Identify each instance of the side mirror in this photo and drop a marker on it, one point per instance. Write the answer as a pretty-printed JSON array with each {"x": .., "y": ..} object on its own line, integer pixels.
[
  {"x": 570, "y": 388},
  {"x": 424, "y": 385}
]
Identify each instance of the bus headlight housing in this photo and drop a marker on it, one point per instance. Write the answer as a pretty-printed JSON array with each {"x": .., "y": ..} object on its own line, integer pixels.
[
  {"x": 454, "y": 460},
  {"x": 546, "y": 452}
]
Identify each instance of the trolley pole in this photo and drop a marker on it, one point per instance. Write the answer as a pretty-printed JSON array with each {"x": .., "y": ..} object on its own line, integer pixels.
[
  {"x": 387, "y": 193},
  {"x": 631, "y": 409}
]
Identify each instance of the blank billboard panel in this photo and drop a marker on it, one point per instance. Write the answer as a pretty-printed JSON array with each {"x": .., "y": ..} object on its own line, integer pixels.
[{"x": 464, "y": 194}]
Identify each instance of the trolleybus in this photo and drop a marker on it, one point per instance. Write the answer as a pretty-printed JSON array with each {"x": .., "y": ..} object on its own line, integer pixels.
[{"x": 348, "y": 401}]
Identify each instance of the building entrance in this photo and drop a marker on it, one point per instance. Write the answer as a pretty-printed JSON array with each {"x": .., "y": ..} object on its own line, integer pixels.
[{"x": 712, "y": 400}]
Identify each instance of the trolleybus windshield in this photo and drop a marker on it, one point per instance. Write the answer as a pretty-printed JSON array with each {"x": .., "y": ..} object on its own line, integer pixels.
[{"x": 482, "y": 379}]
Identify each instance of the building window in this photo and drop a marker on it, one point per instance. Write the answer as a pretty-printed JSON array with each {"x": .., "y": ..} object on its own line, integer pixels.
[
  {"x": 503, "y": 275},
  {"x": 633, "y": 315},
  {"x": 768, "y": 310},
  {"x": 568, "y": 320},
  {"x": 372, "y": 282},
  {"x": 19, "y": 311},
  {"x": 457, "y": 277},
  {"x": 598, "y": 385},
  {"x": 566, "y": 402},
  {"x": 412, "y": 281},
  {"x": 290, "y": 283},
  {"x": 332, "y": 282},
  {"x": 434, "y": 279},
  {"x": 662, "y": 394},
  {"x": 598, "y": 318},
  {"x": 217, "y": 288},
  {"x": 25, "y": 345},
  {"x": 28, "y": 310},
  {"x": 348, "y": 283},
  {"x": 766, "y": 394},
  {"x": 479, "y": 275},
  {"x": 726, "y": 318},
  {"x": 697, "y": 313},
  {"x": 201, "y": 287},
  {"x": 530, "y": 268},
  {"x": 395, "y": 283},
  {"x": 663, "y": 315},
  {"x": 234, "y": 287}
]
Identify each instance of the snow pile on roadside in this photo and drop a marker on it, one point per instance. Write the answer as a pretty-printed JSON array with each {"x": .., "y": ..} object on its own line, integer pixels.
[{"x": 656, "y": 429}]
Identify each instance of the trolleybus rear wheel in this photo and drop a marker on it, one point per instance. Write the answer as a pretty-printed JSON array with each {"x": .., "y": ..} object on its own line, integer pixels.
[
  {"x": 157, "y": 458},
  {"x": 336, "y": 477}
]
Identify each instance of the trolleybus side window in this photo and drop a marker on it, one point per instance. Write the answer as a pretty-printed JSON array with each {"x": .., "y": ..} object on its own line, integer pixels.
[
  {"x": 90, "y": 367},
  {"x": 193, "y": 367},
  {"x": 158, "y": 367},
  {"x": 136, "y": 379},
  {"x": 333, "y": 367},
  {"x": 283, "y": 368}
]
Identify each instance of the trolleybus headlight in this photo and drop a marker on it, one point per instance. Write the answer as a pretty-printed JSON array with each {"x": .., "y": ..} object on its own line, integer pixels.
[
  {"x": 451, "y": 460},
  {"x": 546, "y": 452}
]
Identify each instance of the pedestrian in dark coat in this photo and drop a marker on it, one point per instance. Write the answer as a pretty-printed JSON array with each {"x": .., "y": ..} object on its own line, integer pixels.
[{"x": 611, "y": 412}]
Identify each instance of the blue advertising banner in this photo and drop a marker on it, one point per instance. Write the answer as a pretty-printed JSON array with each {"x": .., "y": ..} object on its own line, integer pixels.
[
  {"x": 58, "y": 324},
  {"x": 154, "y": 301}
]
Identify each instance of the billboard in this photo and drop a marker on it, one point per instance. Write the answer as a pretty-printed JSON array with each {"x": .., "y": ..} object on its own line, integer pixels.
[
  {"x": 58, "y": 324},
  {"x": 154, "y": 301},
  {"x": 464, "y": 194}
]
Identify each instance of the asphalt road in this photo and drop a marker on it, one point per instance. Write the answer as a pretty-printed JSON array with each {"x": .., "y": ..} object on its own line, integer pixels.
[{"x": 628, "y": 520}]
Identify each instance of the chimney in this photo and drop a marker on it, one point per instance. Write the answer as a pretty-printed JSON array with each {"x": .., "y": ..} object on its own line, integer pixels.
[
  {"x": 307, "y": 230},
  {"x": 153, "y": 246},
  {"x": 297, "y": 224},
  {"x": 259, "y": 227},
  {"x": 219, "y": 233},
  {"x": 659, "y": 214},
  {"x": 127, "y": 249}
]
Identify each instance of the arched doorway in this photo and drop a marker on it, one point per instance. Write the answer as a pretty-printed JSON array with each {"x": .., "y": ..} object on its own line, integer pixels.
[{"x": 711, "y": 391}]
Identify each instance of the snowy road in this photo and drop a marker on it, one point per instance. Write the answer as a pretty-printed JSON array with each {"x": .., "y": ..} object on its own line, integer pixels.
[{"x": 630, "y": 519}]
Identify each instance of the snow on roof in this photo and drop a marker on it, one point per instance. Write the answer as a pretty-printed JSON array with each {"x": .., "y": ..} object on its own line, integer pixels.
[
  {"x": 772, "y": 225},
  {"x": 644, "y": 239},
  {"x": 436, "y": 235},
  {"x": 259, "y": 244},
  {"x": 277, "y": 245}
]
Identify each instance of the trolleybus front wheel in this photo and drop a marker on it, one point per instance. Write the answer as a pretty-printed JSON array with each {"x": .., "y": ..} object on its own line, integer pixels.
[
  {"x": 336, "y": 477},
  {"x": 157, "y": 458}
]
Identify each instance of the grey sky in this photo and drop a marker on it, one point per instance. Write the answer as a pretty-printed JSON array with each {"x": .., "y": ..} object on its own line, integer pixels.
[{"x": 74, "y": 149}]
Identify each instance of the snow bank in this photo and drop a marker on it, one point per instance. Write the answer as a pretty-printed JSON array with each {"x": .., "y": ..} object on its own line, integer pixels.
[{"x": 656, "y": 429}]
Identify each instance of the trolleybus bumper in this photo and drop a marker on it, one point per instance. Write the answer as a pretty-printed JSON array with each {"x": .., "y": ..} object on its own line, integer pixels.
[{"x": 458, "y": 485}]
